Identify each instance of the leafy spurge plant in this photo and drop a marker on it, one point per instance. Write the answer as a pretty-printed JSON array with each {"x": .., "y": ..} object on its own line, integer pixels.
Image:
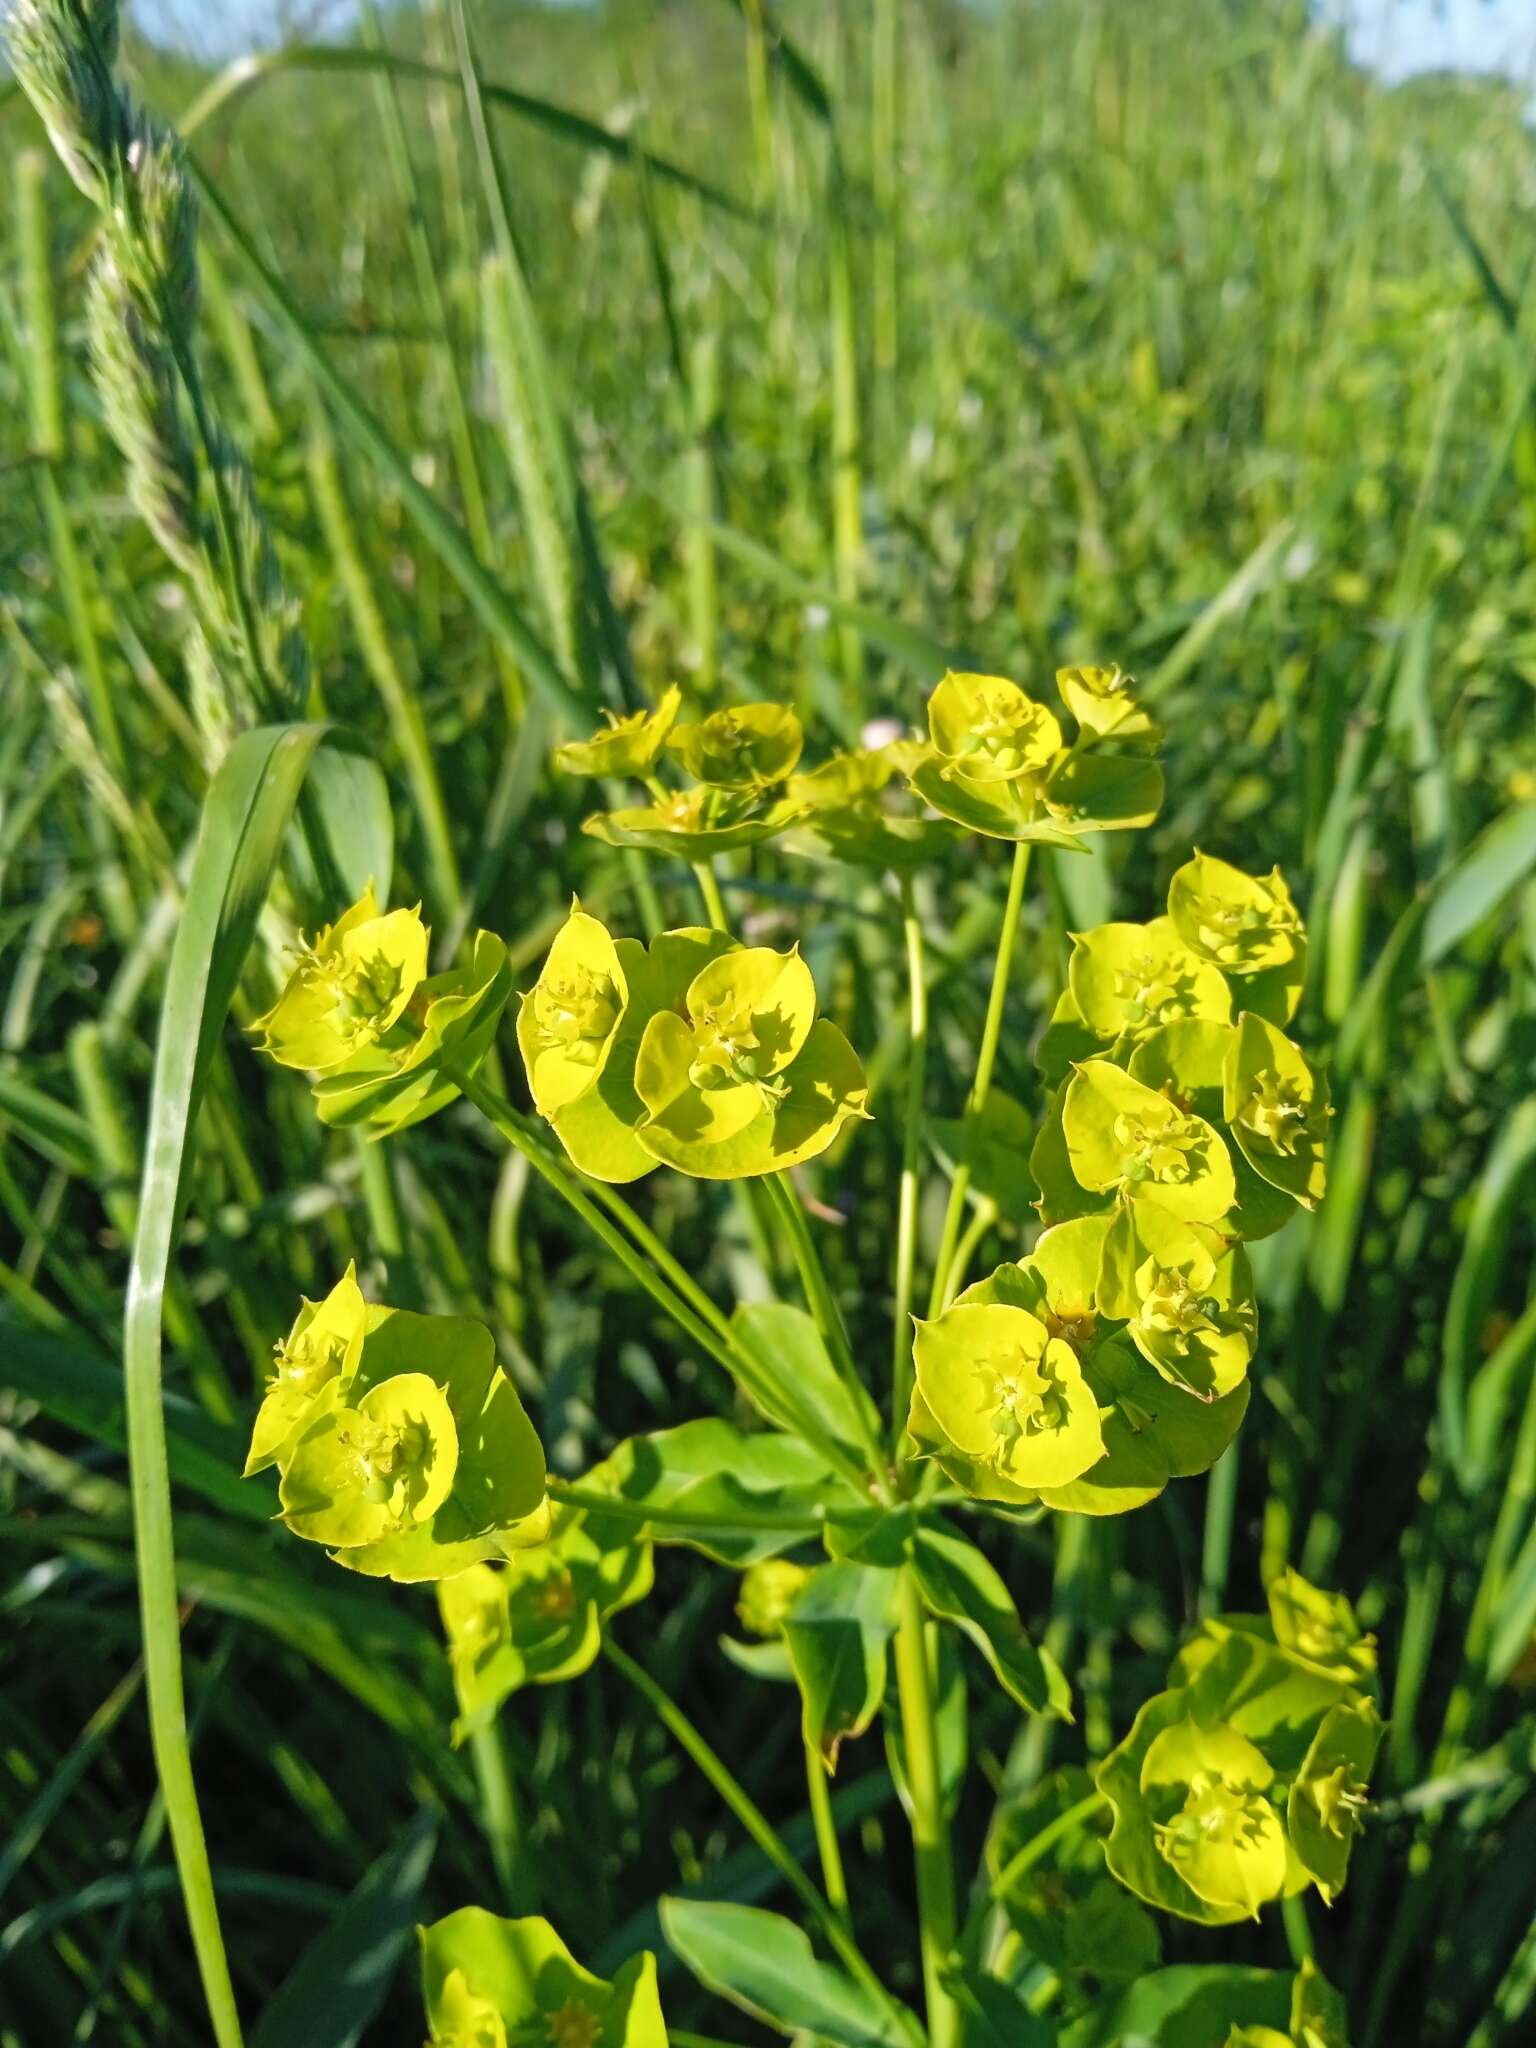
[{"x": 1177, "y": 1121}]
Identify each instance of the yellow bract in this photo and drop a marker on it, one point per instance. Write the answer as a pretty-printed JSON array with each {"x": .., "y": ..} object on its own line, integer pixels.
[
  {"x": 351, "y": 986},
  {"x": 1008, "y": 1394},
  {"x": 1103, "y": 701},
  {"x": 986, "y": 729},
  {"x": 631, "y": 745},
  {"x": 569, "y": 1019}
]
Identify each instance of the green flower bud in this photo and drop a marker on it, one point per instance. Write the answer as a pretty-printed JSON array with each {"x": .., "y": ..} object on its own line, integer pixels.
[
  {"x": 1277, "y": 1104},
  {"x": 1103, "y": 702},
  {"x": 323, "y": 1348},
  {"x": 1007, "y": 1394},
  {"x": 350, "y": 988},
  {"x": 1128, "y": 980},
  {"x": 1216, "y": 1826},
  {"x": 768, "y": 1591},
  {"x": 568, "y": 1022},
  {"x": 631, "y": 746},
  {"x": 1120, "y": 1134},
  {"x": 747, "y": 747}
]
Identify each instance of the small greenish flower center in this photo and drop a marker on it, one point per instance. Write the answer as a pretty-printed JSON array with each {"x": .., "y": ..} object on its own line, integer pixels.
[
  {"x": 1022, "y": 1397},
  {"x": 1160, "y": 1152},
  {"x": 1173, "y": 1308},
  {"x": 1000, "y": 732},
  {"x": 551, "y": 1598},
  {"x": 1217, "y": 1813},
  {"x": 306, "y": 1362},
  {"x": 387, "y": 1455},
  {"x": 361, "y": 992},
  {"x": 1275, "y": 1112},
  {"x": 574, "y": 2025},
  {"x": 1339, "y": 1797},
  {"x": 1152, "y": 989},
  {"x": 575, "y": 1012},
  {"x": 1232, "y": 931},
  {"x": 1076, "y": 1329}
]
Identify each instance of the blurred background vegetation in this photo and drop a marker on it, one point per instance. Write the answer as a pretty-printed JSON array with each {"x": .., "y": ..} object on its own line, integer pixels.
[{"x": 885, "y": 333}]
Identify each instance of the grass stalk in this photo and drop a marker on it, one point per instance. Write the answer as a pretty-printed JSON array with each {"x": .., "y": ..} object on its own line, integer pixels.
[{"x": 930, "y": 1827}]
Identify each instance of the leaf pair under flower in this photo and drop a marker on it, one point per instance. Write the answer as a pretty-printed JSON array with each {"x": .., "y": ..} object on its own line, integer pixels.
[
  {"x": 537, "y": 1618},
  {"x": 495, "y": 1983},
  {"x": 361, "y": 1013},
  {"x": 399, "y": 1441},
  {"x": 696, "y": 1052},
  {"x": 1040, "y": 1385},
  {"x": 997, "y": 763},
  {"x": 1246, "y": 1780}
]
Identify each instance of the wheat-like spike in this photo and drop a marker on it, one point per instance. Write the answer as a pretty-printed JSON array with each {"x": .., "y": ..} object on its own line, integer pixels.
[{"x": 142, "y": 310}]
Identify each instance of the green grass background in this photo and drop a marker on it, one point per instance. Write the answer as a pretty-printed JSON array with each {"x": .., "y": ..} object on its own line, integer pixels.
[{"x": 1070, "y": 331}]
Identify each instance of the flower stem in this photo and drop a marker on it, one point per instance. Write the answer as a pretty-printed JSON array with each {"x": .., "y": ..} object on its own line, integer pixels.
[
  {"x": 752, "y": 1818},
  {"x": 930, "y": 1827},
  {"x": 911, "y": 1161},
  {"x": 829, "y": 1318},
  {"x": 712, "y": 1334},
  {"x": 986, "y": 1059},
  {"x": 834, "y": 1883},
  {"x": 505, "y": 1119}
]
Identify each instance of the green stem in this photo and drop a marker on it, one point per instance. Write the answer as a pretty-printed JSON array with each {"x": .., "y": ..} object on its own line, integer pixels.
[
  {"x": 597, "y": 1502},
  {"x": 930, "y": 1827},
  {"x": 828, "y": 1316},
  {"x": 752, "y": 1818},
  {"x": 986, "y": 1059},
  {"x": 498, "y": 1810},
  {"x": 505, "y": 1119},
  {"x": 653, "y": 1248},
  {"x": 1023, "y": 1860},
  {"x": 828, "y": 1848},
  {"x": 709, "y": 889},
  {"x": 982, "y": 1219},
  {"x": 720, "y": 1345},
  {"x": 911, "y": 1161}
]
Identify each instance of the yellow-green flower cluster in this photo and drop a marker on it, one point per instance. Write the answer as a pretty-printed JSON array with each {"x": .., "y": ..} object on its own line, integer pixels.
[
  {"x": 537, "y": 1618},
  {"x": 997, "y": 762},
  {"x": 695, "y": 1052},
  {"x": 398, "y": 1440},
  {"x": 738, "y": 759},
  {"x": 1246, "y": 1780},
  {"x": 494, "y": 1983},
  {"x": 1115, "y": 1356},
  {"x": 361, "y": 1013}
]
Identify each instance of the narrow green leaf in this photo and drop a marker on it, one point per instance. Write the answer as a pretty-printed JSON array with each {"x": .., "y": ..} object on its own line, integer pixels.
[
  {"x": 766, "y": 1965},
  {"x": 244, "y": 819},
  {"x": 341, "y": 1981},
  {"x": 838, "y": 1633},
  {"x": 960, "y": 1586}
]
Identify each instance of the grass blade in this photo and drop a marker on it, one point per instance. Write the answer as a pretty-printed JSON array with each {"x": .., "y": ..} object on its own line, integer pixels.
[{"x": 244, "y": 820}]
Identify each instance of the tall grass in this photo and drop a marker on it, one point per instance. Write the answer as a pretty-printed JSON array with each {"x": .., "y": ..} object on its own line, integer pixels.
[{"x": 852, "y": 339}]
